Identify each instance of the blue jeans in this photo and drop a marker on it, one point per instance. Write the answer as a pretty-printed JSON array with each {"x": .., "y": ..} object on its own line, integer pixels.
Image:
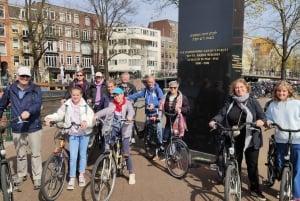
[
  {"x": 78, "y": 144},
  {"x": 295, "y": 159}
]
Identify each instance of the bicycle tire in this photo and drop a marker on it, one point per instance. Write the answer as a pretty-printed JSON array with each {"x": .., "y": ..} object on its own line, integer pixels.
[
  {"x": 286, "y": 184},
  {"x": 177, "y": 158},
  {"x": 103, "y": 178},
  {"x": 6, "y": 183},
  {"x": 54, "y": 175},
  {"x": 150, "y": 143},
  {"x": 232, "y": 185},
  {"x": 221, "y": 165}
]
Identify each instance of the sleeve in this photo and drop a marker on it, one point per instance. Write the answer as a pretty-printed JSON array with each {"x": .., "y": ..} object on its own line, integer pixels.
[
  {"x": 130, "y": 111},
  {"x": 37, "y": 101},
  {"x": 4, "y": 100},
  {"x": 59, "y": 115},
  {"x": 221, "y": 114},
  {"x": 137, "y": 95},
  {"x": 185, "y": 106},
  {"x": 160, "y": 93}
]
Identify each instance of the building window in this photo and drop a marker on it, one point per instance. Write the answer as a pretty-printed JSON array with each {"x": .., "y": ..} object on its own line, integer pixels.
[
  {"x": 45, "y": 13},
  {"x": 59, "y": 30},
  {"x": 76, "y": 33},
  {"x": 2, "y": 48},
  {"x": 77, "y": 46},
  {"x": 85, "y": 35},
  {"x": 86, "y": 61},
  {"x": 87, "y": 21},
  {"x": 1, "y": 12},
  {"x": 68, "y": 18},
  {"x": 52, "y": 15},
  {"x": 15, "y": 43},
  {"x": 61, "y": 17},
  {"x": 50, "y": 60},
  {"x": 68, "y": 46},
  {"x": 25, "y": 32},
  {"x": 2, "y": 30},
  {"x": 76, "y": 18},
  {"x": 22, "y": 14},
  {"x": 16, "y": 61},
  {"x": 68, "y": 32},
  {"x": 26, "y": 60},
  {"x": 69, "y": 60},
  {"x": 14, "y": 28},
  {"x": 77, "y": 60},
  {"x": 50, "y": 46},
  {"x": 61, "y": 45}
]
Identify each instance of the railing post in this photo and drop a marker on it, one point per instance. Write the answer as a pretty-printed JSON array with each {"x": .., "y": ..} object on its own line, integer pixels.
[{"x": 8, "y": 129}]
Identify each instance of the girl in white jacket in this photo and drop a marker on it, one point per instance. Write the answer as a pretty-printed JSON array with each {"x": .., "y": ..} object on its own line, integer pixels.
[{"x": 75, "y": 110}]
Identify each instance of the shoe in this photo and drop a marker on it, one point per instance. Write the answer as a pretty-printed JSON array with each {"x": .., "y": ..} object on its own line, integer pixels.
[
  {"x": 81, "y": 181},
  {"x": 19, "y": 180},
  {"x": 155, "y": 158},
  {"x": 258, "y": 195},
  {"x": 132, "y": 140},
  {"x": 131, "y": 179},
  {"x": 71, "y": 184},
  {"x": 36, "y": 184}
]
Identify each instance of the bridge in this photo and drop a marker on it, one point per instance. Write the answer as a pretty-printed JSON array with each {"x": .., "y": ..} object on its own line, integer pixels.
[{"x": 274, "y": 75}]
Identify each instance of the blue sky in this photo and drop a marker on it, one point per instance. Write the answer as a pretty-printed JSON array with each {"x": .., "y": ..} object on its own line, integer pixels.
[{"x": 145, "y": 12}]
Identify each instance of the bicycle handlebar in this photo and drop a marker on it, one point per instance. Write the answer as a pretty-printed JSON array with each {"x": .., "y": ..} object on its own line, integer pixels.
[
  {"x": 252, "y": 124},
  {"x": 170, "y": 114},
  {"x": 55, "y": 123},
  {"x": 284, "y": 129},
  {"x": 20, "y": 121}
]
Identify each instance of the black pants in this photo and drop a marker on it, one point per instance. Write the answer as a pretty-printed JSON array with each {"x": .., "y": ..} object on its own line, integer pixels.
[{"x": 251, "y": 157}]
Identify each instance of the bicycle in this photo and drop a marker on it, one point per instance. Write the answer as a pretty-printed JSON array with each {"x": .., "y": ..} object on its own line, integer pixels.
[
  {"x": 227, "y": 167},
  {"x": 54, "y": 172},
  {"x": 7, "y": 183},
  {"x": 286, "y": 184},
  {"x": 177, "y": 153},
  {"x": 136, "y": 131},
  {"x": 107, "y": 166},
  {"x": 94, "y": 143}
]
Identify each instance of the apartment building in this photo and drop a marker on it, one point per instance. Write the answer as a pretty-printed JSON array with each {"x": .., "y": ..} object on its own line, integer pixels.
[
  {"x": 169, "y": 45},
  {"x": 136, "y": 50}
]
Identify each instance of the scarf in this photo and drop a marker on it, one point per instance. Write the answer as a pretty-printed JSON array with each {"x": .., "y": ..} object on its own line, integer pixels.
[
  {"x": 98, "y": 92},
  {"x": 242, "y": 103},
  {"x": 119, "y": 105}
]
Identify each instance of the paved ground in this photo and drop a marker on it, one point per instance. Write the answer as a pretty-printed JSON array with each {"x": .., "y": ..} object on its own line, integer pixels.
[{"x": 153, "y": 182}]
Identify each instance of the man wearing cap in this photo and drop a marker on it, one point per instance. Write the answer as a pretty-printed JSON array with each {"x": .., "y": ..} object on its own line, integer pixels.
[
  {"x": 118, "y": 109},
  {"x": 26, "y": 101},
  {"x": 98, "y": 93}
]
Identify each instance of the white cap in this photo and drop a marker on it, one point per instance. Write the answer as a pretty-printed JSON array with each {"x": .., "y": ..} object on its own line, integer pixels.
[
  {"x": 24, "y": 71},
  {"x": 99, "y": 74}
]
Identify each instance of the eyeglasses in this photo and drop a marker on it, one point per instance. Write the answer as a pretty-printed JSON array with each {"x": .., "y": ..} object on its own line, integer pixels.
[
  {"x": 172, "y": 87},
  {"x": 79, "y": 75},
  {"x": 24, "y": 76}
]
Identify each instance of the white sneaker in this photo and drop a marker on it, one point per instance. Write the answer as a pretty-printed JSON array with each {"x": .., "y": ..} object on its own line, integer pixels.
[
  {"x": 81, "y": 181},
  {"x": 71, "y": 184},
  {"x": 132, "y": 140},
  {"x": 131, "y": 179}
]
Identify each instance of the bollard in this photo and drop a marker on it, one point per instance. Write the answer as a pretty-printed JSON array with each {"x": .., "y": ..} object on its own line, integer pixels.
[{"x": 8, "y": 129}]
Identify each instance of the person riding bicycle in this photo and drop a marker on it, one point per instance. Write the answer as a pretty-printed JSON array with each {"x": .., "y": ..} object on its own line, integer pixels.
[
  {"x": 284, "y": 110},
  {"x": 176, "y": 103},
  {"x": 117, "y": 110},
  {"x": 153, "y": 95},
  {"x": 75, "y": 110},
  {"x": 241, "y": 108}
]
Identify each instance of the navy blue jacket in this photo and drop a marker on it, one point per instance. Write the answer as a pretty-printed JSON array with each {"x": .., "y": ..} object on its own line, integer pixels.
[{"x": 31, "y": 102}]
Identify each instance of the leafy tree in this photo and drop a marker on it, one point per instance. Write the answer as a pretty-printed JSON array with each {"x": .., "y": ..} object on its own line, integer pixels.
[{"x": 110, "y": 14}]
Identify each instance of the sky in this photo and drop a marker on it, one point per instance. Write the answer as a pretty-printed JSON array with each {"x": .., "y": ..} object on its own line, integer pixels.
[{"x": 145, "y": 12}]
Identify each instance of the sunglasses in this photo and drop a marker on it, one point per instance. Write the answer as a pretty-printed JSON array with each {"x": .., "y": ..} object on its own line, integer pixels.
[
  {"x": 173, "y": 87},
  {"x": 79, "y": 75},
  {"x": 24, "y": 76}
]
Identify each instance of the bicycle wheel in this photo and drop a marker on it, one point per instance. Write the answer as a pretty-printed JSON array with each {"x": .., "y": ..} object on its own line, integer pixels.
[
  {"x": 6, "y": 183},
  {"x": 221, "y": 162},
  {"x": 232, "y": 184},
  {"x": 150, "y": 142},
  {"x": 286, "y": 184},
  {"x": 103, "y": 178},
  {"x": 177, "y": 157},
  {"x": 53, "y": 176}
]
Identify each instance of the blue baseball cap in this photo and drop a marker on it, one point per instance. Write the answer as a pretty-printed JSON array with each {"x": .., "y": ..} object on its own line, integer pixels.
[{"x": 118, "y": 91}]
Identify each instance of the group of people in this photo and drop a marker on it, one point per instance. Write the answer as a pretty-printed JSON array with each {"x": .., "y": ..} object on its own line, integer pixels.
[
  {"x": 283, "y": 109},
  {"x": 83, "y": 104},
  {"x": 111, "y": 101}
]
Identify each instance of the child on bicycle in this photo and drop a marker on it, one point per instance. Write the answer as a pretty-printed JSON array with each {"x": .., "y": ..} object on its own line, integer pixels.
[
  {"x": 284, "y": 110},
  {"x": 117, "y": 110},
  {"x": 75, "y": 110}
]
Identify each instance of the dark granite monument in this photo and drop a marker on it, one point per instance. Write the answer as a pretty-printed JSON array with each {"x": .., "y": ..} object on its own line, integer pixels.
[{"x": 209, "y": 58}]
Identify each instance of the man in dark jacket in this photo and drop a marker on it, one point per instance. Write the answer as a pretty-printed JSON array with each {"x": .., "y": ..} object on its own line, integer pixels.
[
  {"x": 98, "y": 93},
  {"x": 26, "y": 102}
]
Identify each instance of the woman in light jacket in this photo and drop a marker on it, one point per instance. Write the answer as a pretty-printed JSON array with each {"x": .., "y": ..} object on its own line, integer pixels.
[{"x": 75, "y": 110}]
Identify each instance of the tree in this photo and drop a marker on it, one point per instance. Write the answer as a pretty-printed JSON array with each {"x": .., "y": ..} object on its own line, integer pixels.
[
  {"x": 282, "y": 25},
  {"x": 110, "y": 14}
]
